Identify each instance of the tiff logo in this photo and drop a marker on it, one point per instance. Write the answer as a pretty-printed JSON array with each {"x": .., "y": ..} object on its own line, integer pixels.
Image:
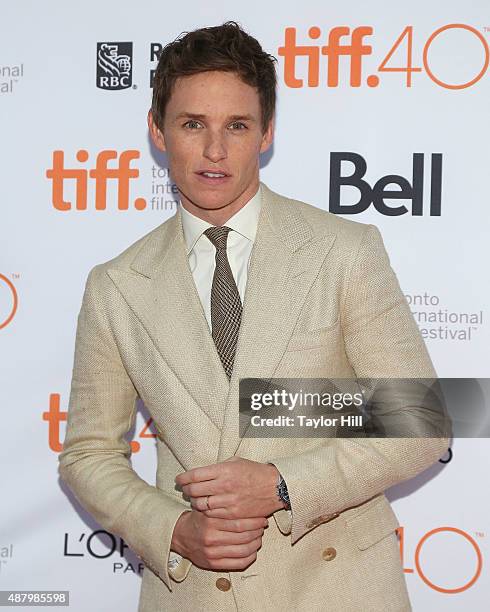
[
  {"x": 121, "y": 173},
  {"x": 355, "y": 49}
]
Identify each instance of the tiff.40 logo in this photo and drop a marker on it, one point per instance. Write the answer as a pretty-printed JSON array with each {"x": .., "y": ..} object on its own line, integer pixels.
[
  {"x": 341, "y": 41},
  {"x": 120, "y": 172}
]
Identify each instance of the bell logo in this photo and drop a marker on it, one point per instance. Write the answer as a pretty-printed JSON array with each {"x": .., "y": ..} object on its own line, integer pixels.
[
  {"x": 377, "y": 194},
  {"x": 122, "y": 173}
]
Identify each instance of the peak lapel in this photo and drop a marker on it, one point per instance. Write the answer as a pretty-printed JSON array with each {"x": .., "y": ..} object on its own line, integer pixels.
[
  {"x": 162, "y": 294},
  {"x": 286, "y": 258}
]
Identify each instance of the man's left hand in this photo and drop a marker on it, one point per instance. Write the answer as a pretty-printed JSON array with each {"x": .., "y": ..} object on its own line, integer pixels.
[{"x": 235, "y": 488}]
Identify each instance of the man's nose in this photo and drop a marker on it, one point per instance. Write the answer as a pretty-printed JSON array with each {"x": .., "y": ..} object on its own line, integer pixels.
[{"x": 215, "y": 148}]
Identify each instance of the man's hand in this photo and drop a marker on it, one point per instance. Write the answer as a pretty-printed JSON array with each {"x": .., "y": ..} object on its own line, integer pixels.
[
  {"x": 234, "y": 489},
  {"x": 218, "y": 544}
]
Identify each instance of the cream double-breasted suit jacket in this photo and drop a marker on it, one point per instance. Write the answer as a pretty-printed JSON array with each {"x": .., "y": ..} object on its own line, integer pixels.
[{"x": 321, "y": 301}]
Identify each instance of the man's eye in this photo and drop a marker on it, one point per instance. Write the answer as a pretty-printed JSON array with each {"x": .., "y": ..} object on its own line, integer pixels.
[{"x": 191, "y": 124}]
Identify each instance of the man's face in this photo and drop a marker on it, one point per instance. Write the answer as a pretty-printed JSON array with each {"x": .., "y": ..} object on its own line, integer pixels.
[{"x": 213, "y": 123}]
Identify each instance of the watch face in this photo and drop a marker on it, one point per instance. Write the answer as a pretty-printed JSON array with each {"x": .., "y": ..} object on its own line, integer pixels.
[{"x": 283, "y": 492}]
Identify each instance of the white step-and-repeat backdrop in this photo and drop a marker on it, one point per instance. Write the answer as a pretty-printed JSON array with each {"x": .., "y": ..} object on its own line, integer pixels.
[{"x": 374, "y": 97}]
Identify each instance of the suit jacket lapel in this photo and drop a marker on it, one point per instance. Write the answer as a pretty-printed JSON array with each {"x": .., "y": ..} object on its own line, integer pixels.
[
  {"x": 162, "y": 294},
  {"x": 286, "y": 258}
]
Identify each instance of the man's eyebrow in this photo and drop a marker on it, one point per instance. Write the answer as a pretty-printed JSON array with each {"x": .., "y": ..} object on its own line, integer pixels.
[{"x": 201, "y": 116}]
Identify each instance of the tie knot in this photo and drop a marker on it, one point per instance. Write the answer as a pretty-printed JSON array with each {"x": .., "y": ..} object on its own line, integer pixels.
[{"x": 218, "y": 235}]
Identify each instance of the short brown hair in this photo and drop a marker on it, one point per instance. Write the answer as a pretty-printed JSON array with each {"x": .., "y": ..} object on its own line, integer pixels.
[{"x": 227, "y": 48}]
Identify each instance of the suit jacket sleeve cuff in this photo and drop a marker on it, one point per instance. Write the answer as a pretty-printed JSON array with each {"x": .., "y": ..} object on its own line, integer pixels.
[
  {"x": 156, "y": 551},
  {"x": 179, "y": 571},
  {"x": 178, "y": 566},
  {"x": 284, "y": 521}
]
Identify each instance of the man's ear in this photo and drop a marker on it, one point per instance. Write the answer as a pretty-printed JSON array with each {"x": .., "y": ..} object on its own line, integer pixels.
[
  {"x": 268, "y": 136},
  {"x": 155, "y": 133}
]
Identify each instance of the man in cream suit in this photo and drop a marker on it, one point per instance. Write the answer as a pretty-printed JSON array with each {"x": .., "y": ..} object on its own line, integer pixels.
[{"x": 240, "y": 282}]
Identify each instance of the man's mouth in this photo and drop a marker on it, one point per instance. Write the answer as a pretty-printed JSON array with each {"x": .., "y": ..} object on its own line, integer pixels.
[
  {"x": 213, "y": 174},
  {"x": 213, "y": 177}
]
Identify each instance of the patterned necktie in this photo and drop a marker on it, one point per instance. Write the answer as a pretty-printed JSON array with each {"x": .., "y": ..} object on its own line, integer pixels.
[{"x": 226, "y": 306}]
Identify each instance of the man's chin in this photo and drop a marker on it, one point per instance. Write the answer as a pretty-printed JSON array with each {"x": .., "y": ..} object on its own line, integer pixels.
[{"x": 212, "y": 201}]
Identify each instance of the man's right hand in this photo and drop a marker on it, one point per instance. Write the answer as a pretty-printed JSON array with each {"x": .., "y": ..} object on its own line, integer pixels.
[{"x": 218, "y": 544}]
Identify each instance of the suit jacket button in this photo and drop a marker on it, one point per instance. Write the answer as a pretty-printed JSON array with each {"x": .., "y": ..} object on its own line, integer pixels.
[
  {"x": 329, "y": 553},
  {"x": 223, "y": 584}
]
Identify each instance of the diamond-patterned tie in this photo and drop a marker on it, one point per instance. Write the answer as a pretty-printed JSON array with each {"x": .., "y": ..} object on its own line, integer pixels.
[{"x": 226, "y": 306}]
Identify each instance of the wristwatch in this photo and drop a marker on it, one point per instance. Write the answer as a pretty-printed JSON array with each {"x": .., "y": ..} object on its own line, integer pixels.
[{"x": 282, "y": 492}]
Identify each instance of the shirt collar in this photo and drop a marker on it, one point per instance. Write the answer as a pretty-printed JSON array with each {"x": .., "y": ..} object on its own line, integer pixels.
[{"x": 244, "y": 222}]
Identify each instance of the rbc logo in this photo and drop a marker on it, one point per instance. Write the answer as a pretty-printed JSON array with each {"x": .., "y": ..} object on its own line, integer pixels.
[
  {"x": 114, "y": 65},
  {"x": 377, "y": 194}
]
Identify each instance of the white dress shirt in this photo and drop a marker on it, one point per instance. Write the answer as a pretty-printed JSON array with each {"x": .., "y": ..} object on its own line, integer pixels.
[{"x": 201, "y": 251}]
